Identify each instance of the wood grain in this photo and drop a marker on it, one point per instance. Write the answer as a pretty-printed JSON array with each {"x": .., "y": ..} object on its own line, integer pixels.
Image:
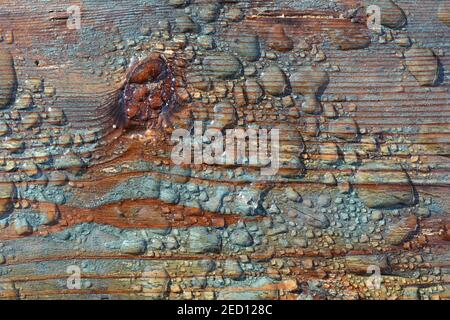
[{"x": 365, "y": 182}]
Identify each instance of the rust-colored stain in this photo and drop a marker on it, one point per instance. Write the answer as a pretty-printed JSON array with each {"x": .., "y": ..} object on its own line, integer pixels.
[{"x": 117, "y": 164}]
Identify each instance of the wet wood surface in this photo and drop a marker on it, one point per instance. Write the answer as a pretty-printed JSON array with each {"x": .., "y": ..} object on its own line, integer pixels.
[{"x": 363, "y": 181}]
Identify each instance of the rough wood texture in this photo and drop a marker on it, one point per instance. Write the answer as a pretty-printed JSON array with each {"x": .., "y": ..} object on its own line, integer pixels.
[{"x": 88, "y": 185}]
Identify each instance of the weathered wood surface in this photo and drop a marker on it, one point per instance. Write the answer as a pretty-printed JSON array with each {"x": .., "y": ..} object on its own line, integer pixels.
[{"x": 364, "y": 143}]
